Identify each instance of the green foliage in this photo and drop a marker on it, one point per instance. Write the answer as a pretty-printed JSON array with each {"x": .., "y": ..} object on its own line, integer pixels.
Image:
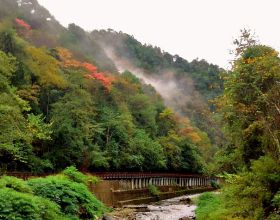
[
  {"x": 144, "y": 112},
  {"x": 198, "y": 78},
  {"x": 18, "y": 205},
  {"x": 76, "y": 176},
  {"x": 74, "y": 199},
  {"x": 14, "y": 183},
  {"x": 39, "y": 129},
  {"x": 53, "y": 116},
  {"x": 215, "y": 185},
  {"x": 154, "y": 190},
  {"x": 146, "y": 153},
  {"x": 44, "y": 67},
  {"x": 276, "y": 200},
  {"x": 210, "y": 206},
  {"x": 64, "y": 196},
  {"x": 248, "y": 193},
  {"x": 249, "y": 105},
  {"x": 74, "y": 128},
  {"x": 249, "y": 109},
  {"x": 7, "y": 67}
]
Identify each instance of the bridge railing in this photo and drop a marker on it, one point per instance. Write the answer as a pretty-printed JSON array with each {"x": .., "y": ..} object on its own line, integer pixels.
[{"x": 129, "y": 175}]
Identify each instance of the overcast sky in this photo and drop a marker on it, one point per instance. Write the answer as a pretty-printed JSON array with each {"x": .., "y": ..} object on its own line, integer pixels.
[{"x": 189, "y": 28}]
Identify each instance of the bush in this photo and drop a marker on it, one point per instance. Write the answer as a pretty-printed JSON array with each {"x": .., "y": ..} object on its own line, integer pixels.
[
  {"x": 14, "y": 183},
  {"x": 17, "y": 205},
  {"x": 74, "y": 199},
  {"x": 76, "y": 176},
  {"x": 214, "y": 184},
  {"x": 154, "y": 190}
]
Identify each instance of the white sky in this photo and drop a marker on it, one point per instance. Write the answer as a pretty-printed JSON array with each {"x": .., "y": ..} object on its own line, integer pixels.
[{"x": 189, "y": 28}]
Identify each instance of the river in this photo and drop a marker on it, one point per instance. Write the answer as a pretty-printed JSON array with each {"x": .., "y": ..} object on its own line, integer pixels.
[{"x": 178, "y": 208}]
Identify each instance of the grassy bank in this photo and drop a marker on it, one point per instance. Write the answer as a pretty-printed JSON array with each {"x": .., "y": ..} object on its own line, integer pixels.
[{"x": 210, "y": 207}]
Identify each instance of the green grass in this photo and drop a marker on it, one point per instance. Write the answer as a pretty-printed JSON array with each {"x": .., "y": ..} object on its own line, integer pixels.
[{"x": 210, "y": 207}]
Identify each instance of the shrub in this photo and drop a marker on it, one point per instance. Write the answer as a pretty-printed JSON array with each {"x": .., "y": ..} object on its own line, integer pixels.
[
  {"x": 214, "y": 184},
  {"x": 17, "y": 205},
  {"x": 154, "y": 190},
  {"x": 76, "y": 176},
  {"x": 15, "y": 183},
  {"x": 74, "y": 199}
]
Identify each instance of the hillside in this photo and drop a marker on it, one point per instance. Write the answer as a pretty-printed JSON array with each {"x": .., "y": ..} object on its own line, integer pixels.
[
  {"x": 186, "y": 87},
  {"x": 73, "y": 106}
]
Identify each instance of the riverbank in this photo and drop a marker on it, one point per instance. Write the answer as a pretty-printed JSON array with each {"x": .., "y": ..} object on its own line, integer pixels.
[{"x": 171, "y": 209}]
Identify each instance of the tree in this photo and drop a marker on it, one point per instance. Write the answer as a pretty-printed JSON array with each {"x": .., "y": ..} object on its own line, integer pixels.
[
  {"x": 46, "y": 71},
  {"x": 74, "y": 129},
  {"x": 18, "y": 130},
  {"x": 143, "y": 112},
  {"x": 250, "y": 110},
  {"x": 249, "y": 104},
  {"x": 145, "y": 153}
]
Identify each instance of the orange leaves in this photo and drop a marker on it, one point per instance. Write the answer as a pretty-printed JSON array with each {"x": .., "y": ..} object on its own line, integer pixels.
[
  {"x": 23, "y": 24},
  {"x": 64, "y": 54},
  {"x": 89, "y": 67},
  {"x": 67, "y": 61},
  {"x": 106, "y": 81},
  {"x": 66, "y": 58}
]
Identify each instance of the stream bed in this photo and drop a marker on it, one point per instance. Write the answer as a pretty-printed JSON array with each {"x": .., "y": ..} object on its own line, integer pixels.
[{"x": 178, "y": 208}]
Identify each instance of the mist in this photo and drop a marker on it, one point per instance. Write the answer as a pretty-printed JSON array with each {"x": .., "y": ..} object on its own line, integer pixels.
[{"x": 175, "y": 93}]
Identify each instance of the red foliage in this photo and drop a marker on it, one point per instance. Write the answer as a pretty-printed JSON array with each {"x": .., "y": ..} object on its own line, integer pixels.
[
  {"x": 106, "y": 81},
  {"x": 90, "y": 67},
  {"x": 68, "y": 61},
  {"x": 23, "y": 24}
]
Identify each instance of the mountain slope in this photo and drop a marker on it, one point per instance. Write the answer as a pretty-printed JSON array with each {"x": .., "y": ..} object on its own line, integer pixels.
[
  {"x": 185, "y": 86},
  {"x": 73, "y": 107}
]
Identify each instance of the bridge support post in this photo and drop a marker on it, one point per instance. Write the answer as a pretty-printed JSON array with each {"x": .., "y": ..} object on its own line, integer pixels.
[{"x": 132, "y": 184}]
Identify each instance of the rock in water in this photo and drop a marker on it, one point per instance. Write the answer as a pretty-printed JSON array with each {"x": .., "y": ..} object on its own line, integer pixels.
[{"x": 106, "y": 217}]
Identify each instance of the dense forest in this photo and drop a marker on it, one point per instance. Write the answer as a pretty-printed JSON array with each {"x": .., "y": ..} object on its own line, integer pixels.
[
  {"x": 249, "y": 161},
  {"x": 65, "y": 102},
  {"x": 103, "y": 101}
]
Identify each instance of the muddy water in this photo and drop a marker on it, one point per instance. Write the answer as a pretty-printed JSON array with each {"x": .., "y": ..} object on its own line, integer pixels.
[{"x": 170, "y": 209}]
